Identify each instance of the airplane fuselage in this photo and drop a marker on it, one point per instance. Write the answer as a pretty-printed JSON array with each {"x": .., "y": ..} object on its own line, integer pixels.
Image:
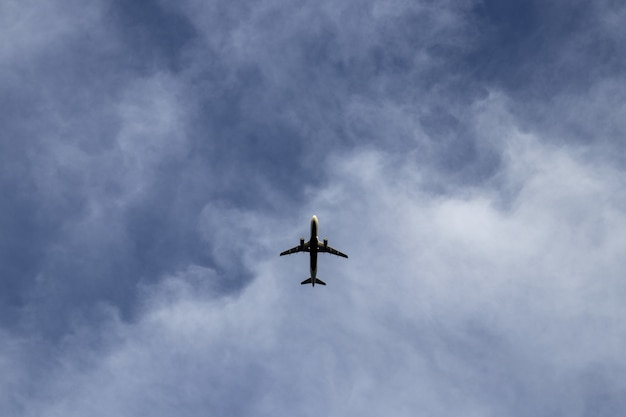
[{"x": 313, "y": 248}]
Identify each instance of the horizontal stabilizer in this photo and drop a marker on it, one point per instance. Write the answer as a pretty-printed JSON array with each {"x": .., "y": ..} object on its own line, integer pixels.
[{"x": 310, "y": 281}]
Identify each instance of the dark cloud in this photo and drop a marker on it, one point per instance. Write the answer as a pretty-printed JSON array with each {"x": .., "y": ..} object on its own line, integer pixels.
[
  {"x": 155, "y": 35},
  {"x": 542, "y": 49}
]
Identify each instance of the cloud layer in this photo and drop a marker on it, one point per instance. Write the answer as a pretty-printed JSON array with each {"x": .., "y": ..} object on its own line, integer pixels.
[{"x": 155, "y": 159}]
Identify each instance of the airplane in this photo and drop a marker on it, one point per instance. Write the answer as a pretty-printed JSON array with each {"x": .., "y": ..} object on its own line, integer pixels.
[{"x": 313, "y": 246}]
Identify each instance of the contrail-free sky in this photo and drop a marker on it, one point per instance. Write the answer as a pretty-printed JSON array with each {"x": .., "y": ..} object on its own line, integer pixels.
[{"x": 469, "y": 156}]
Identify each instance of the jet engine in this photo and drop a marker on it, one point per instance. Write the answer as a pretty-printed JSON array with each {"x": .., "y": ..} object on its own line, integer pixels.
[
  {"x": 301, "y": 243},
  {"x": 325, "y": 242}
]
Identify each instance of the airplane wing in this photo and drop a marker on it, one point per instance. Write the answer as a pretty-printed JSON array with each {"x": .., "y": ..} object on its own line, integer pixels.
[
  {"x": 322, "y": 248},
  {"x": 299, "y": 248}
]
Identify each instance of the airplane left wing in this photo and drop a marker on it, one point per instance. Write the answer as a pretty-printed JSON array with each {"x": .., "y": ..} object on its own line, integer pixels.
[
  {"x": 299, "y": 248},
  {"x": 322, "y": 248}
]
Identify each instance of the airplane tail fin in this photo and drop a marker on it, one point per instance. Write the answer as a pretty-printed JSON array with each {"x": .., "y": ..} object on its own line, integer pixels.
[{"x": 310, "y": 281}]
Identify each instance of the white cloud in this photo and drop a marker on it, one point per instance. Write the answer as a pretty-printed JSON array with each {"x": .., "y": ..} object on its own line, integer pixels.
[
  {"x": 31, "y": 28},
  {"x": 449, "y": 303}
]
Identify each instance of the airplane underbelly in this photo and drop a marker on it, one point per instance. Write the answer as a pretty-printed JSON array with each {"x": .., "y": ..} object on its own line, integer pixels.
[{"x": 313, "y": 263}]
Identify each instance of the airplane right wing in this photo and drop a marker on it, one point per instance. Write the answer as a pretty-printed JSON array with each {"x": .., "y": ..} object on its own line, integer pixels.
[
  {"x": 299, "y": 248},
  {"x": 328, "y": 249}
]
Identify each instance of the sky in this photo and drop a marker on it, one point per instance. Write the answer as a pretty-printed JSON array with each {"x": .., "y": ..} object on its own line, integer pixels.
[{"x": 156, "y": 157}]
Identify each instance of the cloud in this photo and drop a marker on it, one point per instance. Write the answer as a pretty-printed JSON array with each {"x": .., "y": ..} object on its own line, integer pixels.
[
  {"x": 148, "y": 187},
  {"x": 447, "y": 303}
]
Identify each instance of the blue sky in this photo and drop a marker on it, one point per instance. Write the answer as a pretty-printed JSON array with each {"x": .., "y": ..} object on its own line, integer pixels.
[{"x": 155, "y": 158}]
